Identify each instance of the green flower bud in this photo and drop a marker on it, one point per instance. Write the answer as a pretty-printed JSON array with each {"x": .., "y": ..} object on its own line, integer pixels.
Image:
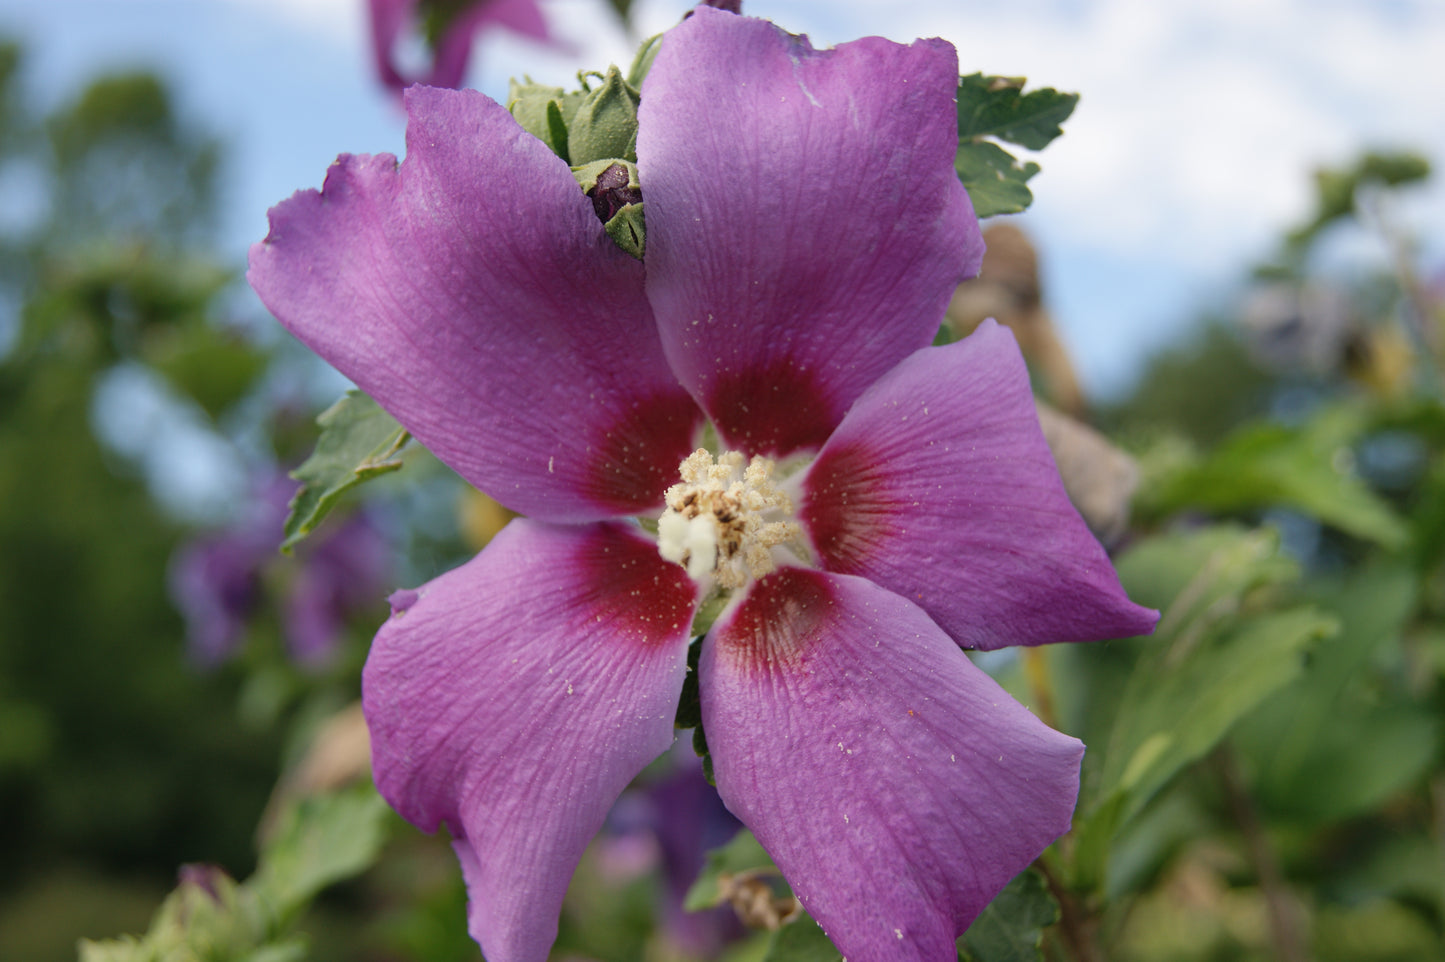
[
  {"x": 605, "y": 125},
  {"x": 617, "y": 199}
]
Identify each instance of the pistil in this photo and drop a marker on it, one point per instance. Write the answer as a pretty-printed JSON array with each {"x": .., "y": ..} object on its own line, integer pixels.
[{"x": 724, "y": 520}]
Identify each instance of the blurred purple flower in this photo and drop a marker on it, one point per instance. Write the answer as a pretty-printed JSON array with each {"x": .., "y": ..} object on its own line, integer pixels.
[
  {"x": 669, "y": 825},
  {"x": 218, "y": 580},
  {"x": 392, "y": 20},
  {"x": 474, "y": 293}
]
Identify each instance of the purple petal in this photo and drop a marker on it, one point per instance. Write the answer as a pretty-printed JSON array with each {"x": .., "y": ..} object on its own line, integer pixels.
[
  {"x": 805, "y": 227},
  {"x": 894, "y": 783},
  {"x": 516, "y": 696},
  {"x": 215, "y": 583},
  {"x": 388, "y": 19},
  {"x": 938, "y": 485},
  {"x": 454, "y": 49},
  {"x": 476, "y": 296},
  {"x": 391, "y": 18}
]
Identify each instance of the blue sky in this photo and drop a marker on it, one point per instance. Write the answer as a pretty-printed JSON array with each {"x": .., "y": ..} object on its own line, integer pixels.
[{"x": 1191, "y": 149}]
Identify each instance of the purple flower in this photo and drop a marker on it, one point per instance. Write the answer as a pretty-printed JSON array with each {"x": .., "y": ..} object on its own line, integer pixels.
[
  {"x": 392, "y": 19},
  {"x": 805, "y": 230},
  {"x": 218, "y": 581}
]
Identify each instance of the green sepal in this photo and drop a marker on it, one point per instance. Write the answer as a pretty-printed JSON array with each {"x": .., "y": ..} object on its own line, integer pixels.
[
  {"x": 626, "y": 228},
  {"x": 689, "y": 704},
  {"x": 587, "y": 174},
  {"x": 996, "y": 108},
  {"x": 642, "y": 63},
  {"x": 544, "y": 112},
  {"x": 997, "y": 182},
  {"x": 605, "y": 125},
  {"x": 557, "y": 130},
  {"x": 358, "y": 442}
]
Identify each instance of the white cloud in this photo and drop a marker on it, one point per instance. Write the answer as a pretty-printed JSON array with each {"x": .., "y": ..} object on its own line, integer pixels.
[{"x": 1200, "y": 119}]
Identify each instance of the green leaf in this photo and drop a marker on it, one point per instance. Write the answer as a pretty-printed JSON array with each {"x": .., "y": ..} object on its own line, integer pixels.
[
  {"x": 997, "y": 183},
  {"x": 212, "y": 367},
  {"x": 1264, "y": 465},
  {"x": 1317, "y": 751},
  {"x": 1381, "y": 931},
  {"x": 1217, "y": 654},
  {"x": 1201, "y": 571},
  {"x": 742, "y": 854},
  {"x": 1181, "y": 702},
  {"x": 998, "y": 107},
  {"x": 1011, "y": 928},
  {"x": 1175, "y": 712},
  {"x": 358, "y": 442},
  {"x": 1362, "y": 757},
  {"x": 801, "y": 940},
  {"x": 322, "y": 840}
]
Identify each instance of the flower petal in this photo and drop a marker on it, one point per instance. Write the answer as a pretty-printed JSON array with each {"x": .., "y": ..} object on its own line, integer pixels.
[
  {"x": 390, "y": 18},
  {"x": 894, "y": 783},
  {"x": 513, "y": 698},
  {"x": 453, "y": 49},
  {"x": 805, "y": 227},
  {"x": 938, "y": 485},
  {"x": 474, "y": 294}
]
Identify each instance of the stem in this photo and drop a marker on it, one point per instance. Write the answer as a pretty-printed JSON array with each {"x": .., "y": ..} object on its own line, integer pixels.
[
  {"x": 1041, "y": 688},
  {"x": 1283, "y": 916},
  {"x": 1419, "y": 323},
  {"x": 1437, "y": 825},
  {"x": 1076, "y": 923}
]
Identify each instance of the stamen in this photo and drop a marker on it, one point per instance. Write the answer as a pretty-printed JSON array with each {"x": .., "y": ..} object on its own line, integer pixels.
[{"x": 724, "y": 520}]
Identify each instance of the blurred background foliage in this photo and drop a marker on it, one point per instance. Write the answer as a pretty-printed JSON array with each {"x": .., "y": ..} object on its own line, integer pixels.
[{"x": 1264, "y": 778}]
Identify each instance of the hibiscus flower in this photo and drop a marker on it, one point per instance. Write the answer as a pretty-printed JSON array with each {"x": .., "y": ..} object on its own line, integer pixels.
[
  {"x": 458, "y": 22},
  {"x": 875, "y": 504}
]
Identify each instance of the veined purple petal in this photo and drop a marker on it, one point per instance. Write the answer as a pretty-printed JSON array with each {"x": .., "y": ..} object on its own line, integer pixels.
[
  {"x": 513, "y": 698},
  {"x": 475, "y": 295},
  {"x": 938, "y": 485},
  {"x": 805, "y": 227},
  {"x": 894, "y": 783}
]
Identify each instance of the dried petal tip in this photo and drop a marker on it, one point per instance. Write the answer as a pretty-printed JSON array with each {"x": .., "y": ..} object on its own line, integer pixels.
[
  {"x": 731, "y": 6},
  {"x": 402, "y": 599}
]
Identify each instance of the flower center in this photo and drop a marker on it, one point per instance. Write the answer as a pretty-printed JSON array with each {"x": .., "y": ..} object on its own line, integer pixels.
[{"x": 724, "y": 520}]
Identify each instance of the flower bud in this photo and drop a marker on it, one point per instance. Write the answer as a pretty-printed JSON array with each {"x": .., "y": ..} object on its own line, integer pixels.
[
  {"x": 605, "y": 125},
  {"x": 616, "y": 187}
]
